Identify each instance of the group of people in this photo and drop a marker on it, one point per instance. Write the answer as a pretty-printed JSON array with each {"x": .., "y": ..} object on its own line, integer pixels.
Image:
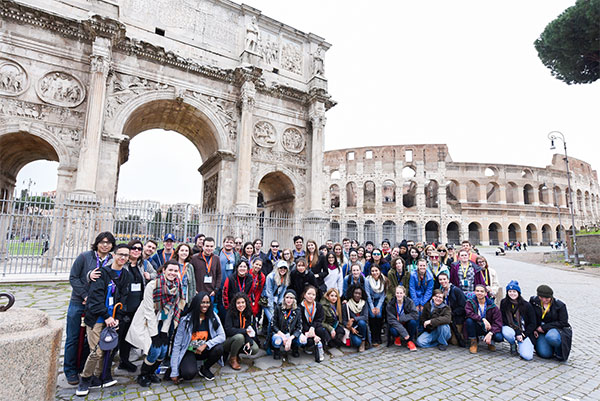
[{"x": 188, "y": 304}]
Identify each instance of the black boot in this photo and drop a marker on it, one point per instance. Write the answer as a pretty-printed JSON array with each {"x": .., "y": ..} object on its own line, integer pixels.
[
  {"x": 143, "y": 379},
  {"x": 152, "y": 375},
  {"x": 276, "y": 353},
  {"x": 295, "y": 352}
]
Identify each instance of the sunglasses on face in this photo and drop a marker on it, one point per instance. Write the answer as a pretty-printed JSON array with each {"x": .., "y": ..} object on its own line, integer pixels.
[
  {"x": 136, "y": 248},
  {"x": 376, "y": 254},
  {"x": 238, "y": 243},
  {"x": 274, "y": 246}
]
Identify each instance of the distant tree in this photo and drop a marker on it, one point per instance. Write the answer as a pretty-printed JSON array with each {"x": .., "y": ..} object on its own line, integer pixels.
[{"x": 570, "y": 45}]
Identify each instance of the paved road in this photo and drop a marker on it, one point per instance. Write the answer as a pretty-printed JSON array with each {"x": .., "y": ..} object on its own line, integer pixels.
[{"x": 391, "y": 373}]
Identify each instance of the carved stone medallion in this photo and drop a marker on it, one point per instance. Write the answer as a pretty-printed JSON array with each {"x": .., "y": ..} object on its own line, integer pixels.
[
  {"x": 293, "y": 140},
  {"x": 13, "y": 78},
  {"x": 61, "y": 89},
  {"x": 264, "y": 134}
]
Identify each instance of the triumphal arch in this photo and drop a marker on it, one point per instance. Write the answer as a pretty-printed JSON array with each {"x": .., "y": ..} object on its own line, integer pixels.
[{"x": 80, "y": 79}]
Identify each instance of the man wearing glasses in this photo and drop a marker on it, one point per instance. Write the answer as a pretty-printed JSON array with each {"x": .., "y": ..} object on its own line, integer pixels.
[
  {"x": 109, "y": 289},
  {"x": 238, "y": 245},
  {"x": 272, "y": 257}
]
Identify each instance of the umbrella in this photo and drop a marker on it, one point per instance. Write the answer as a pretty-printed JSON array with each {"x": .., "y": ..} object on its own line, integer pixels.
[{"x": 108, "y": 353}]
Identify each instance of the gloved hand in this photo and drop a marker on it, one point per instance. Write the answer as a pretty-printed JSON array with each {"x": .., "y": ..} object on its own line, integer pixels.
[
  {"x": 157, "y": 341},
  {"x": 164, "y": 338}
]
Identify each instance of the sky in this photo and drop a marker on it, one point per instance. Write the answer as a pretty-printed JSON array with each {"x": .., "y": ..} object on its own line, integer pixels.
[{"x": 464, "y": 73}]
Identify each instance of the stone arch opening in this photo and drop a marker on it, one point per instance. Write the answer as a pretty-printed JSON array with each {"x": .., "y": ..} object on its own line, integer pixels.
[
  {"x": 512, "y": 195},
  {"x": 408, "y": 172},
  {"x": 475, "y": 233},
  {"x": 532, "y": 238},
  {"x": 187, "y": 117},
  {"x": 495, "y": 234},
  {"x": 278, "y": 192},
  {"x": 388, "y": 192},
  {"x": 556, "y": 195},
  {"x": 409, "y": 194},
  {"x": 560, "y": 232},
  {"x": 452, "y": 191},
  {"x": 472, "y": 191},
  {"x": 334, "y": 196},
  {"x": 334, "y": 231},
  {"x": 492, "y": 192},
  {"x": 351, "y": 194},
  {"x": 369, "y": 231},
  {"x": 543, "y": 194},
  {"x": 514, "y": 232},
  {"x": 411, "y": 231},
  {"x": 352, "y": 229},
  {"x": 369, "y": 197},
  {"x": 453, "y": 233},
  {"x": 527, "y": 194},
  {"x": 389, "y": 231},
  {"x": 432, "y": 233},
  {"x": 546, "y": 234},
  {"x": 431, "y": 194},
  {"x": 579, "y": 201}
]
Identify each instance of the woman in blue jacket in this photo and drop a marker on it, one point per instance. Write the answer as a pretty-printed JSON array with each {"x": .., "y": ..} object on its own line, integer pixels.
[
  {"x": 375, "y": 286},
  {"x": 421, "y": 285},
  {"x": 199, "y": 336}
]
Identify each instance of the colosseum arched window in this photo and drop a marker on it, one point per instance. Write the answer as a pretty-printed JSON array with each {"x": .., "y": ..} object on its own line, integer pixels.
[
  {"x": 369, "y": 231},
  {"x": 369, "y": 197},
  {"x": 532, "y": 236},
  {"x": 411, "y": 231},
  {"x": 389, "y": 231},
  {"x": 409, "y": 194},
  {"x": 352, "y": 229},
  {"x": 556, "y": 192},
  {"x": 514, "y": 232},
  {"x": 453, "y": 233},
  {"x": 431, "y": 194},
  {"x": 334, "y": 231},
  {"x": 334, "y": 196},
  {"x": 495, "y": 233},
  {"x": 452, "y": 191},
  {"x": 492, "y": 192},
  {"x": 546, "y": 234},
  {"x": 512, "y": 195},
  {"x": 543, "y": 194},
  {"x": 528, "y": 194},
  {"x": 472, "y": 191},
  {"x": 388, "y": 192},
  {"x": 475, "y": 233},
  {"x": 432, "y": 233}
]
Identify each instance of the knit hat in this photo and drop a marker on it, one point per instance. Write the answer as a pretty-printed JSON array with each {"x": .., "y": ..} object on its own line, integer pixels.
[
  {"x": 403, "y": 244},
  {"x": 544, "y": 291},
  {"x": 513, "y": 285},
  {"x": 290, "y": 291}
]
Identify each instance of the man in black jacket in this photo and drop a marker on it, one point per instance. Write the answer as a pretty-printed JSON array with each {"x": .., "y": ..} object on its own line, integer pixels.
[{"x": 111, "y": 288}]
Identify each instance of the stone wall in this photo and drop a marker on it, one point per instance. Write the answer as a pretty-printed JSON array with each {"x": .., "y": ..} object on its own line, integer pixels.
[{"x": 588, "y": 245}]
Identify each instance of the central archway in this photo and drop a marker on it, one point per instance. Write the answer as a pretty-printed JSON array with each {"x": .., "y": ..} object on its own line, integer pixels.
[{"x": 276, "y": 194}]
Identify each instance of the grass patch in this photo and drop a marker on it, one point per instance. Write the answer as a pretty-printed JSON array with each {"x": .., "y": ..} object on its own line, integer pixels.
[{"x": 27, "y": 248}]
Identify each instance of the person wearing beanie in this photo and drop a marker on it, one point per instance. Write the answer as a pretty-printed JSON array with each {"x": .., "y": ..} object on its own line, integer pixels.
[
  {"x": 553, "y": 334},
  {"x": 286, "y": 326},
  {"x": 518, "y": 321}
]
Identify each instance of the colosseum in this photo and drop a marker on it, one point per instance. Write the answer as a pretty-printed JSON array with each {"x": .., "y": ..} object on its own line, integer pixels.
[{"x": 411, "y": 191}]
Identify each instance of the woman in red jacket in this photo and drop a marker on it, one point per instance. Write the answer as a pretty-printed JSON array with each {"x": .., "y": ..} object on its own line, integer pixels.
[
  {"x": 239, "y": 281},
  {"x": 258, "y": 283}
]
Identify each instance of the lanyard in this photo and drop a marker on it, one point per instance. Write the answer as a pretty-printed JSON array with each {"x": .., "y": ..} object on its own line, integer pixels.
[
  {"x": 545, "y": 310},
  {"x": 255, "y": 279},
  {"x": 482, "y": 311},
  {"x": 208, "y": 264},
  {"x": 310, "y": 311},
  {"x": 165, "y": 256},
  {"x": 487, "y": 277},
  {"x": 286, "y": 316},
  {"x": 98, "y": 261},
  {"x": 240, "y": 286},
  {"x": 242, "y": 321},
  {"x": 182, "y": 273},
  {"x": 465, "y": 272},
  {"x": 227, "y": 256},
  {"x": 399, "y": 310}
]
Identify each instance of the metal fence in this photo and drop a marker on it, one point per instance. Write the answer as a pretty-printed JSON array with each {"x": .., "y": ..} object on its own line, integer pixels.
[{"x": 45, "y": 235}]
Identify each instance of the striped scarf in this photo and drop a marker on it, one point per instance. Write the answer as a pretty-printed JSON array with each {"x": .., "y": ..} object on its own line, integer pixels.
[{"x": 167, "y": 296}]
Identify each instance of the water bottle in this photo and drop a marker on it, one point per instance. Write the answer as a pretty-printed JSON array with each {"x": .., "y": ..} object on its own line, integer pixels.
[{"x": 320, "y": 351}]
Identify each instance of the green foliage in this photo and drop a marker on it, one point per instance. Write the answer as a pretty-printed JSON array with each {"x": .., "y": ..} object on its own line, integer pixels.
[{"x": 570, "y": 45}]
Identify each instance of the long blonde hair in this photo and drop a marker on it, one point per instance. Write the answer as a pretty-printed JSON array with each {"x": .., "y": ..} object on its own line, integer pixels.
[{"x": 338, "y": 304}]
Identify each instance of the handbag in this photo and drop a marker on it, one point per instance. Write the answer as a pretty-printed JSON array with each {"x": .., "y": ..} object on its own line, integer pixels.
[
  {"x": 263, "y": 301},
  {"x": 346, "y": 338}
]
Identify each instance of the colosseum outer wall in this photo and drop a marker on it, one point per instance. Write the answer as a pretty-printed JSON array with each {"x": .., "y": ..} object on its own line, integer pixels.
[{"x": 410, "y": 191}]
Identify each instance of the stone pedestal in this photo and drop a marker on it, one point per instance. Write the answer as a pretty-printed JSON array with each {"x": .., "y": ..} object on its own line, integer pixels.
[{"x": 29, "y": 351}]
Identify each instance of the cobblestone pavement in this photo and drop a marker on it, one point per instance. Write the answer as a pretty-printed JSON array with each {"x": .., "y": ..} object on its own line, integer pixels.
[{"x": 388, "y": 373}]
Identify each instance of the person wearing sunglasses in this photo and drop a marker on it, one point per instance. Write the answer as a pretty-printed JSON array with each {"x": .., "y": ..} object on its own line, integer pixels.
[
  {"x": 436, "y": 267},
  {"x": 379, "y": 260},
  {"x": 237, "y": 245},
  {"x": 271, "y": 258}
]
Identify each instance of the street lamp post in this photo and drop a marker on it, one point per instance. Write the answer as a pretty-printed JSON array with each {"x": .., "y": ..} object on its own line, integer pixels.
[
  {"x": 560, "y": 226},
  {"x": 554, "y": 135}
]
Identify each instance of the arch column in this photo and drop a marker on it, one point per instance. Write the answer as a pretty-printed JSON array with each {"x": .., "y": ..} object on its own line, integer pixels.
[
  {"x": 87, "y": 168},
  {"x": 485, "y": 235},
  {"x": 503, "y": 194},
  {"x": 318, "y": 121},
  {"x": 242, "y": 198}
]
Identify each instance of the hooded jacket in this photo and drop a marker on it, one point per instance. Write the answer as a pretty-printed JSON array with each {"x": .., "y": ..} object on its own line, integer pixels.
[
  {"x": 492, "y": 314},
  {"x": 439, "y": 315},
  {"x": 299, "y": 281},
  {"x": 95, "y": 306},
  {"x": 396, "y": 320}
]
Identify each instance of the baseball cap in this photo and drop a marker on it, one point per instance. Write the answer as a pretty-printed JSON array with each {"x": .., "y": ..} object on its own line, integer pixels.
[{"x": 169, "y": 237}]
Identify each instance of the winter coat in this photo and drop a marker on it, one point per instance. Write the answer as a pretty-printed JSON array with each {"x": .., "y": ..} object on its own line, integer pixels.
[
  {"x": 190, "y": 283},
  {"x": 527, "y": 315},
  {"x": 158, "y": 259},
  {"x": 236, "y": 284},
  {"x": 347, "y": 314},
  {"x": 395, "y": 320},
  {"x": 421, "y": 290},
  {"x": 556, "y": 318},
  {"x": 438, "y": 316},
  {"x": 273, "y": 292},
  {"x": 493, "y": 286},
  {"x": 320, "y": 270},
  {"x": 269, "y": 261},
  {"x": 349, "y": 281},
  {"x": 95, "y": 307},
  {"x": 299, "y": 281},
  {"x": 258, "y": 284},
  {"x": 78, "y": 276},
  {"x": 292, "y": 325},
  {"x": 442, "y": 268},
  {"x": 384, "y": 267},
  {"x": 394, "y": 281},
  {"x": 317, "y": 320},
  {"x": 492, "y": 314},
  {"x": 137, "y": 283},
  {"x": 331, "y": 320},
  {"x": 183, "y": 337},
  {"x": 232, "y": 326},
  {"x": 144, "y": 325},
  {"x": 456, "y": 300}
]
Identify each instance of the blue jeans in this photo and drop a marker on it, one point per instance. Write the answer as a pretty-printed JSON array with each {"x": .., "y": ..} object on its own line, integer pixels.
[
  {"x": 475, "y": 329},
  {"x": 525, "y": 347},
  {"x": 157, "y": 353},
  {"x": 277, "y": 342},
  {"x": 549, "y": 344},
  {"x": 411, "y": 327},
  {"x": 73, "y": 324},
  {"x": 375, "y": 302},
  {"x": 356, "y": 340},
  {"x": 439, "y": 335}
]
